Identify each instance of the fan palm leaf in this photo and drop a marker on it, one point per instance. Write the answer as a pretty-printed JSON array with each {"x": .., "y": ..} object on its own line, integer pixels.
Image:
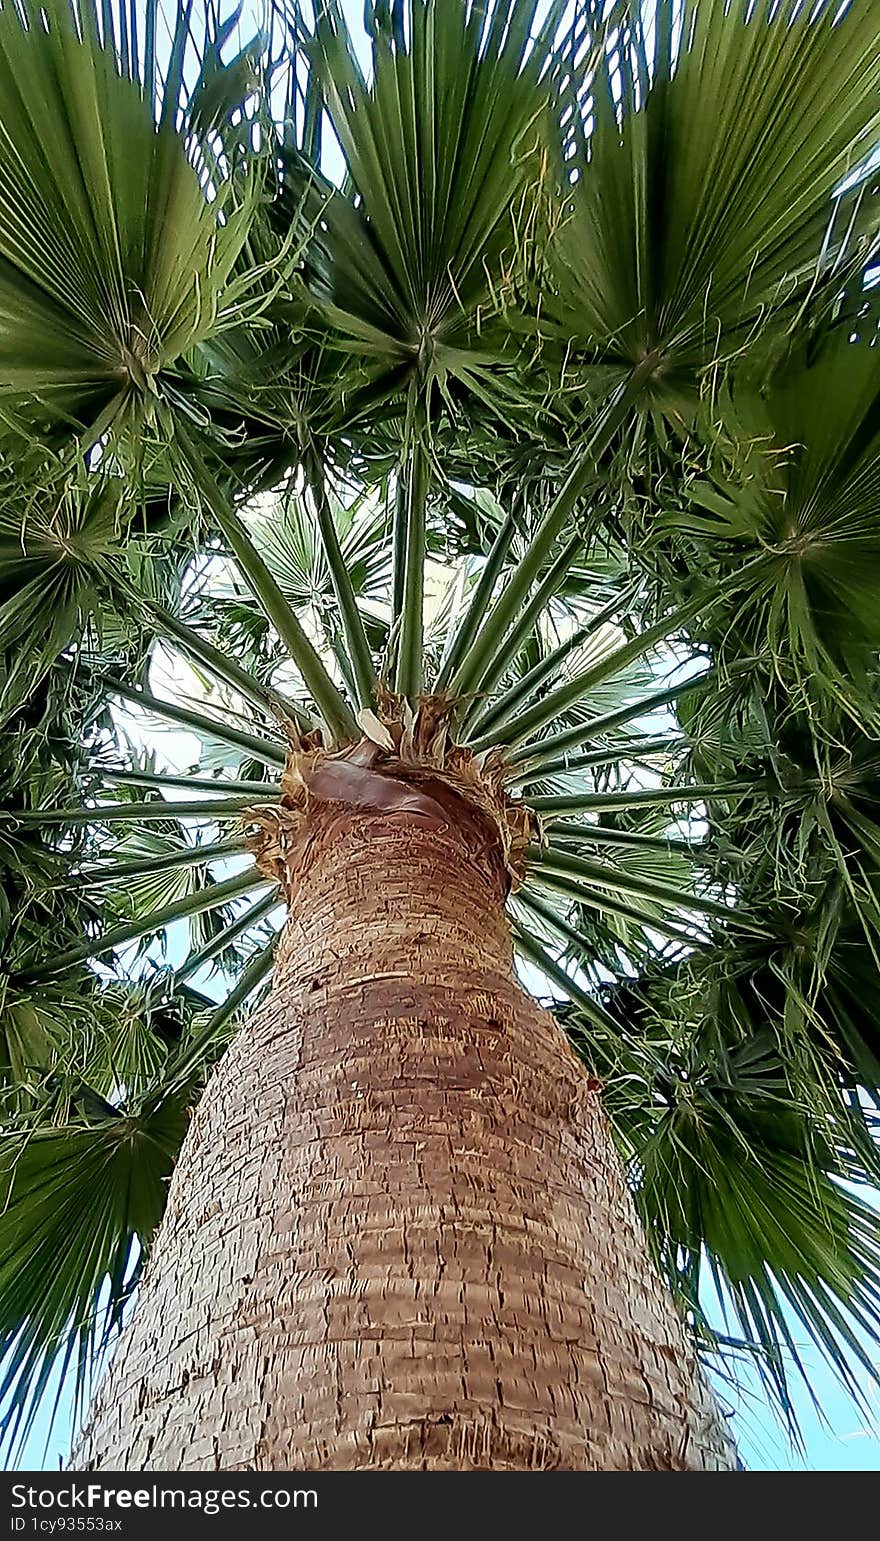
[
  {"x": 113, "y": 262},
  {"x": 709, "y": 191}
]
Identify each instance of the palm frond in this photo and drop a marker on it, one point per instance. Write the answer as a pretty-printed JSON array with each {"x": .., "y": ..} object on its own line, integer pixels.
[
  {"x": 709, "y": 192},
  {"x": 113, "y": 262},
  {"x": 80, "y": 1204}
]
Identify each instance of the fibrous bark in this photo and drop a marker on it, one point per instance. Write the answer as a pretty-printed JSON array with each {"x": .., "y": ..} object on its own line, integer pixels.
[{"x": 398, "y": 1236}]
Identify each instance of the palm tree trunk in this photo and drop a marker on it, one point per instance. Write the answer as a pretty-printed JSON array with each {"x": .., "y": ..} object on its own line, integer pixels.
[{"x": 398, "y": 1236}]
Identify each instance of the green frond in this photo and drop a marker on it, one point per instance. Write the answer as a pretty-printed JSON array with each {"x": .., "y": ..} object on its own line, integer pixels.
[
  {"x": 572, "y": 692},
  {"x": 113, "y": 262},
  {"x": 162, "y": 855},
  {"x": 250, "y": 744},
  {"x": 157, "y": 810},
  {"x": 789, "y": 1246},
  {"x": 534, "y": 953},
  {"x": 552, "y": 808},
  {"x": 218, "y": 663},
  {"x": 409, "y": 561},
  {"x": 525, "y": 574},
  {"x": 441, "y": 148},
  {"x": 250, "y": 919},
  {"x": 330, "y": 703},
  {"x": 606, "y": 901},
  {"x": 613, "y": 875},
  {"x": 552, "y": 755},
  {"x": 210, "y": 896},
  {"x": 353, "y": 631},
  {"x": 488, "y": 659},
  {"x": 708, "y": 198},
  {"x": 798, "y": 485},
  {"x": 80, "y": 1205},
  {"x": 164, "y": 780},
  {"x": 555, "y": 664},
  {"x": 463, "y": 635}
]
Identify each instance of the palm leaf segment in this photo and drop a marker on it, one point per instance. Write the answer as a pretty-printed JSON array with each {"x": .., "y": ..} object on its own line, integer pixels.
[{"x": 325, "y": 603}]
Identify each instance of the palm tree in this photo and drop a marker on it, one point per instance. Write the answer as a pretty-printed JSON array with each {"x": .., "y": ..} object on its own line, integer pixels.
[{"x": 497, "y": 518}]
